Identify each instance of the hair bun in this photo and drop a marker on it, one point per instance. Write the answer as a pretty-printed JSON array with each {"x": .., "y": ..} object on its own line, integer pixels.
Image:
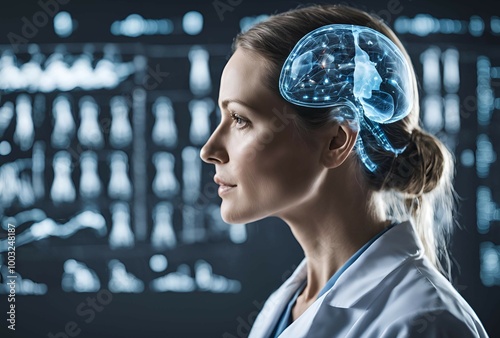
[{"x": 419, "y": 168}]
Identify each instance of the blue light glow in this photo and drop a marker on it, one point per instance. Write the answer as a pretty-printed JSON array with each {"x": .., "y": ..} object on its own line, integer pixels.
[
  {"x": 336, "y": 64},
  {"x": 135, "y": 25},
  {"x": 192, "y": 23},
  {"x": 63, "y": 24}
]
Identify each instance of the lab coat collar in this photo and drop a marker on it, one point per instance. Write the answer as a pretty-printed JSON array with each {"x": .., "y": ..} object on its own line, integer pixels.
[
  {"x": 276, "y": 303},
  {"x": 354, "y": 290},
  {"x": 359, "y": 284},
  {"x": 381, "y": 258}
]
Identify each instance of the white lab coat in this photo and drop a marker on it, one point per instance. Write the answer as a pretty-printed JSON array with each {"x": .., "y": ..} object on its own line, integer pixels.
[{"x": 391, "y": 290}]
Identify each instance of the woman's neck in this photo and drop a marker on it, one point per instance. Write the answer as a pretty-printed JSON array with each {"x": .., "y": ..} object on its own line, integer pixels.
[{"x": 330, "y": 228}]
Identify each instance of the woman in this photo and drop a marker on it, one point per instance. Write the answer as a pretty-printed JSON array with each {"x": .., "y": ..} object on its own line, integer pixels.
[{"x": 320, "y": 127}]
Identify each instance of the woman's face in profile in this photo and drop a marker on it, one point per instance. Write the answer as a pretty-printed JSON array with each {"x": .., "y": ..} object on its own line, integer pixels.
[{"x": 256, "y": 147}]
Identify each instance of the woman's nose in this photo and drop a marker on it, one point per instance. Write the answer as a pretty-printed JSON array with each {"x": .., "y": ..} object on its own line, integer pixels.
[{"x": 213, "y": 152}]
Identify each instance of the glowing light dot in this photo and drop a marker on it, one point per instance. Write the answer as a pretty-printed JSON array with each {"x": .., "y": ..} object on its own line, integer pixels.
[
  {"x": 158, "y": 263},
  {"x": 192, "y": 23}
]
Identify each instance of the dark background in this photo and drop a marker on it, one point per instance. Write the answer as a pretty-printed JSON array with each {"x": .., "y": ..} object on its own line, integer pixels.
[{"x": 270, "y": 253}]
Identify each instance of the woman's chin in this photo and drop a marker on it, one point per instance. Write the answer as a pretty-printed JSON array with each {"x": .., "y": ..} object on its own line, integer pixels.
[
  {"x": 233, "y": 217},
  {"x": 230, "y": 218}
]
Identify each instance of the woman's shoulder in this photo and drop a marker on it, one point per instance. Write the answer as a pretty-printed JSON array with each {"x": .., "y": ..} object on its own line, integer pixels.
[
  {"x": 421, "y": 300},
  {"x": 398, "y": 289},
  {"x": 434, "y": 323}
]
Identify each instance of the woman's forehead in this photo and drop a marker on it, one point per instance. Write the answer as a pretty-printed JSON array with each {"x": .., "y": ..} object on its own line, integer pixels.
[
  {"x": 243, "y": 79},
  {"x": 243, "y": 67}
]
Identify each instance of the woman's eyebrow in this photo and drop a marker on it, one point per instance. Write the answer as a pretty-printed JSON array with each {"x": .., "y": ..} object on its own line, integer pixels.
[{"x": 225, "y": 103}]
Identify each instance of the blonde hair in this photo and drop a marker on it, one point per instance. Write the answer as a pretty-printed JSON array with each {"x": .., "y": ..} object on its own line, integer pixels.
[{"x": 417, "y": 184}]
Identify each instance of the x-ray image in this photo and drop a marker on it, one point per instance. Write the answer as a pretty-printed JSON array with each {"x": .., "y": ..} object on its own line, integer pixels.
[
  {"x": 204, "y": 280},
  {"x": 84, "y": 145},
  {"x": 62, "y": 189},
  {"x": 82, "y": 69},
  {"x": 64, "y": 125},
  {"x": 89, "y": 132},
  {"x": 90, "y": 182},
  {"x": 45, "y": 227},
  {"x": 52, "y": 72},
  {"x": 165, "y": 183},
  {"x": 24, "y": 134},
  {"x": 208, "y": 281},
  {"x": 38, "y": 169},
  {"x": 121, "y": 280},
  {"x": 164, "y": 129},
  {"x": 199, "y": 77},
  {"x": 6, "y": 114},
  {"x": 200, "y": 120},
  {"x": 31, "y": 71},
  {"x": 119, "y": 186},
  {"x": 121, "y": 235},
  {"x": 191, "y": 174},
  {"x": 193, "y": 229},
  {"x": 57, "y": 74},
  {"x": 104, "y": 111},
  {"x": 35, "y": 215},
  {"x": 179, "y": 281},
  {"x": 15, "y": 184},
  {"x": 121, "y": 131},
  {"x": 10, "y": 74},
  {"x": 78, "y": 277},
  {"x": 24, "y": 286},
  {"x": 163, "y": 235}
]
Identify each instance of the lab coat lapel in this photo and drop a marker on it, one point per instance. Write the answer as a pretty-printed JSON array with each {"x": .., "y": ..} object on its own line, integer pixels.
[
  {"x": 276, "y": 303},
  {"x": 359, "y": 284},
  {"x": 324, "y": 318},
  {"x": 339, "y": 308}
]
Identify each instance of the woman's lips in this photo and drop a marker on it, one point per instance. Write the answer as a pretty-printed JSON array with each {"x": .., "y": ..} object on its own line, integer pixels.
[
  {"x": 220, "y": 181},
  {"x": 224, "y": 186},
  {"x": 223, "y": 189}
]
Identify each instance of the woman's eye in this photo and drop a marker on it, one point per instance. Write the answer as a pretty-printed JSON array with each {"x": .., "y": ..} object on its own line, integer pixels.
[{"x": 239, "y": 120}]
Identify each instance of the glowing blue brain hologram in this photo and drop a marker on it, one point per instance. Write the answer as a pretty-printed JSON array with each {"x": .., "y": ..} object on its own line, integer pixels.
[{"x": 353, "y": 66}]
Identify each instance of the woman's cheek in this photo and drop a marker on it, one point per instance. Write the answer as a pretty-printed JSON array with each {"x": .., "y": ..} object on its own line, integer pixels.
[{"x": 251, "y": 147}]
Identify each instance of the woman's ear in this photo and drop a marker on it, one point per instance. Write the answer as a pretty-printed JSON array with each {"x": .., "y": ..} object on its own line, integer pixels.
[{"x": 341, "y": 139}]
